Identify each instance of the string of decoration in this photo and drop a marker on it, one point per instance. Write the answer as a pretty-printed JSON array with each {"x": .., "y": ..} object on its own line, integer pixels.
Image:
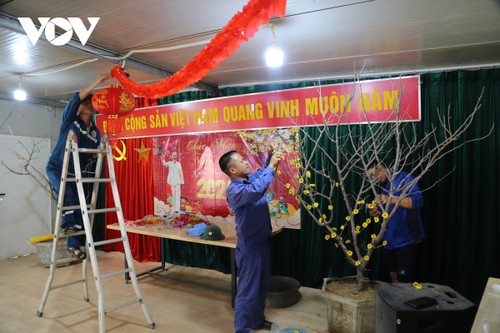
[{"x": 242, "y": 26}]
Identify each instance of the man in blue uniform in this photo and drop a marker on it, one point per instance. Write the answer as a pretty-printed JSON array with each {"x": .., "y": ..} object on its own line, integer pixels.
[
  {"x": 404, "y": 230},
  {"x": 246, "y": 198},
  {"x": 77, "y": 116}
]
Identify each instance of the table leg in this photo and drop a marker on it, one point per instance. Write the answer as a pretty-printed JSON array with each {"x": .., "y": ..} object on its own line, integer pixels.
[{"x": 149, "y": 271}]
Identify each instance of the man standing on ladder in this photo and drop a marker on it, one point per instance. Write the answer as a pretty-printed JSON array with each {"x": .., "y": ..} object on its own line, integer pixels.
[{"x": 77, "y": 116}]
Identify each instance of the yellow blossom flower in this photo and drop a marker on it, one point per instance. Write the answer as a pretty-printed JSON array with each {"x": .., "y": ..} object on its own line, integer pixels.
[
  {"x": 327, "y": 237},
  {"x": 333, "y": 235},
  {"x": 385, "y": 215},
  {"x": 348, "y": 241},
  {"x": 309, "y": 207},
  {"x": 342, "y": 227},
  {"x": 357, "y": 263},
  {"x": 365, "y": 225},
  {"x": 306, "y": 192},
  {"x": 356, "y": 211},
  {"x": 384, "y": 243},
  {"x": 370, "y": 206},
  {"x": 349, "y": 253},
  {"x": 358, "y": 227},
  {"x": 360, "y": 202},
  {"x": 320, "y": 220},
  {"x": 301, "y": 180},
  {"x": 368, "y": 220},
  {"x": 297, "y": 165},
  {"x": 287, "y": 185},
  {"x": 330, "y": 207},
  {"x": 373, "y": 236},
  {"x": 312, "y": 185},
  {"x": 336, "y": 184},
  {"x": 357, "y": 232},
  {"x": 376, "y": 219},
  {"x": 291, "y": 191},
  {"x": 347, "y": 218},
  {"x": 308, "y": 174},
  {"x": 315, "y": 205},
  {"x": 366, "y": 258},
  {"x": 336, "y": 245},
  {"x": 323, "y": 216},
  {"x": 278, "y": 172}
]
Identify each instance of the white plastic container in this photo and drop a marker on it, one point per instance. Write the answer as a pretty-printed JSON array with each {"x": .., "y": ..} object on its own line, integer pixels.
[{"x": 491, "y": 319}]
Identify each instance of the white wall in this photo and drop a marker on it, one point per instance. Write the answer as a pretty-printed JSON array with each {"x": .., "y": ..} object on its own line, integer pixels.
[
  {"x": 24, "y": 119},
  {"x": 26, "y": 211}
]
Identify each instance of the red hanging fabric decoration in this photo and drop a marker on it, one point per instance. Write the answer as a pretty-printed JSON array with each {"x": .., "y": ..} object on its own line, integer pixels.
[{"x": 242, "y": 26}]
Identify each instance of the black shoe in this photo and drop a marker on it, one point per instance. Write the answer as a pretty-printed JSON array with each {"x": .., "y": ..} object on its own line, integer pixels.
[
  {"x": 266, "y": 326},
  {"x": 77, "y": 252}
]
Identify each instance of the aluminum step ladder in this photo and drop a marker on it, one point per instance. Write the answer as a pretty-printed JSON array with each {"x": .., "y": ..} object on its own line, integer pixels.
[{"x": 88, "y": 211}]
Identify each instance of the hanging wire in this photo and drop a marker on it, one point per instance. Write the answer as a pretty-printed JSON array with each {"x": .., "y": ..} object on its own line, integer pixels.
[
  {"x": 163, "y": 49},
  {"x": 61, "y": 69}
]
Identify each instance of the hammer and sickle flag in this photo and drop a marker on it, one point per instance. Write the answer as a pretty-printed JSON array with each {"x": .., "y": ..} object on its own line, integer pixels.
[{"x": 121, "y": 152}]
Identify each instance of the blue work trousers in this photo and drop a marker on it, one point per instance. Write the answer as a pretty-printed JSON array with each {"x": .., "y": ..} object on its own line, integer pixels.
[
  {"x": 254, "y": 275},
  {"x": 70, "y": 217}
]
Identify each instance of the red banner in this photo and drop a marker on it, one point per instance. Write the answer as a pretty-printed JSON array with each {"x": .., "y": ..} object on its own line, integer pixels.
[{"x": 359, "y": 102}]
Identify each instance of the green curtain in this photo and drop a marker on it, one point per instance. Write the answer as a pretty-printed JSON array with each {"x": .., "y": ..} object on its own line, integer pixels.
[
  {"x": 462, "y": 248},
  {"x": 460, "y": 214}
]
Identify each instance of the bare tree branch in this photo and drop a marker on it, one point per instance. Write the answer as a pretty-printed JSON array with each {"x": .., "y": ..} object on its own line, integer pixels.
[
  {"x": 339, "y": 155},
  {"x": 26, "y": 158}
]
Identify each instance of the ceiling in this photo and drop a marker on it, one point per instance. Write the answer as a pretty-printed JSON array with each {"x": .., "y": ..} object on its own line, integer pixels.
[{"x": 322, "y": 39}]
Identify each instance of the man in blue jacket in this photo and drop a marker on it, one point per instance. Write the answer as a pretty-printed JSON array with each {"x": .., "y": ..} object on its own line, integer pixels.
[
  {"x": 77, "y": 116},
  {"x": 404, "y": 230},
  {"x": 246, "y": 198}
]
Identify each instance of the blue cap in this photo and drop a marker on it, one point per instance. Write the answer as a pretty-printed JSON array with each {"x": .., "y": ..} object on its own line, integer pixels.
[{"x": 197, "y": 230}]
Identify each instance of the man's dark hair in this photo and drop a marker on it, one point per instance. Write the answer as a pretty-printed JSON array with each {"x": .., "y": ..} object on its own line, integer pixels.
[
  {"x": 87, "y": 100},
  {"x": 225, "y": 159}
]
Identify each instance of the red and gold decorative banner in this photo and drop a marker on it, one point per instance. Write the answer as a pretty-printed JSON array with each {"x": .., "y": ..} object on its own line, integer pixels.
[
  {"x": 203, "y": 188},
  {"x": 360, "y": 102}
]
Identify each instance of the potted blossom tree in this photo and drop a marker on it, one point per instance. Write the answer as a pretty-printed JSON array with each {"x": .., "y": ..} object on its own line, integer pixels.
[{"x": 337, "y": 194}]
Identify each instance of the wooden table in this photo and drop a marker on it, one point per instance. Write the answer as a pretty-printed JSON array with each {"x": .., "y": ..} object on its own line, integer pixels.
[{"x": 180, "y": 234}]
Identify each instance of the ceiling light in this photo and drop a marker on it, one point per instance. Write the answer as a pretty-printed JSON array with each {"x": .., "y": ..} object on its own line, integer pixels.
[
  {"x": 274, "y": 54},
  {"x": 20, "y": 94}
]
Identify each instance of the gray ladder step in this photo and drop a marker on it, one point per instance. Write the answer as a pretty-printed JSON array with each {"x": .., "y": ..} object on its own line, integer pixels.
[
  {"x": 93, "y": 211},
  {"x": 103, "y": 210},
  {"x": 92, "y": 151},
  {"x": 122, "y": 305},
  {"x": 109, "y": 241},
  {"x": 73, "y": 207},
  {"x": 62, "y": 235},
  {"x": 92, "y": 180},
  {"x": 110, "y": 274}
]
